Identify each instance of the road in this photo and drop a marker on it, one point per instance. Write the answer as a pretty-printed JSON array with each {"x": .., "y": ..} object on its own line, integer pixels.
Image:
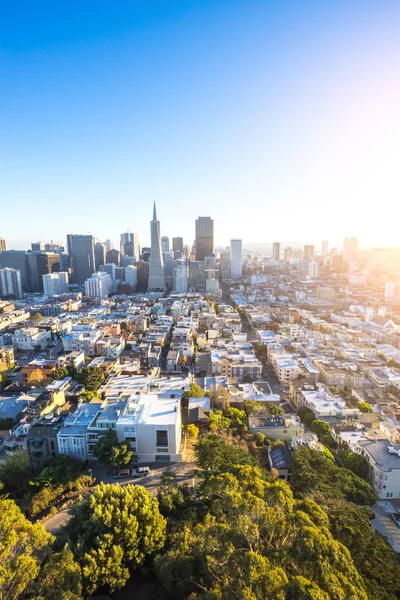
[
  {"x": 384, "y": 524},
  {"x": 184, "y": 473}
]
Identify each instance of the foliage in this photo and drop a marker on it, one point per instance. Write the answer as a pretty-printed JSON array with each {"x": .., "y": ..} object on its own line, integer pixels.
[
  {"x": 320, "y": 428},
  {"x": 111, "y": 452},
  {"x": 306, "y": 415},
  {"x": 275, "y": 410},
  {"x": 219, "y": 398},
  {"x": 59, "y": 579},
  {"x": 194, "y": 391},
  {"x": 90, "y": 377},
  {"x": 193, "y": 431},
  {"x": 112, "y": 532},
  {"x": 328, "y": 453},
  {"x": 87, "y": 396},
  {"x": 237, "y": 417},
  {"x": 333, "y": 389},
  {"x": 23, "y": 547},
  {"x": 364, "y": 407},
  {"x": 356, "y": 463},
  {"x": 315, "y": 475},
  {"x": 15, "y": 471},
  {"x": 36, "y": 378},
  {"x": 60, "y": 373},
  {"x": 218, "y": 421},
  {"x": 214, "y": 456},
  {"x": 261, "y": 352},
  {"x": 172, "y": 498},
  {"x": 251, "y": 407}
]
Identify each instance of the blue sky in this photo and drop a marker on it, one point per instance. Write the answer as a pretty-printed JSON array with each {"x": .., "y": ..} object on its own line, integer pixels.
[{"x": 279, "y": 119}]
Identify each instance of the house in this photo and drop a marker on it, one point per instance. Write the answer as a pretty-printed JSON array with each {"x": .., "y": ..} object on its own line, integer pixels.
[{"x": 384, "y": 464}]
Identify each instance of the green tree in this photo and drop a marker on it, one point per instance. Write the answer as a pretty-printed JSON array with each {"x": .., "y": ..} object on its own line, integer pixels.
[
  {"x": 214, "y": 455},
  {"x": 112, "y": 532},
  {"x": 320, "y": 428},
  {"x": 194, "y": 391},
  {"x": 23, "y": 547},
  {"x": 193, "y": 431},
  {"x": 90, "y": 377},
  {"x": 364, "y": 407},
  {"x": 171, "y": 496},
  {"x": 275, "y": 410},
  {"x": 59, "y": 578},
  {"x": 356, "y": 463},
  {"x": 111, "y": 452},
  {"x": 218, "y": 421},
  {"x": 15, "y": 472},
  {"x": 60, "y": 373},
  {"x": 237, "y": 417},
  {"x": 306, "y": 415}
]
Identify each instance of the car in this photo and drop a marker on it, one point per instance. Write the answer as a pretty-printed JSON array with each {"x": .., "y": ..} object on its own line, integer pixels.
[
  {"x": 121, "y": 474},
  {"x": 141, "y": 472}
]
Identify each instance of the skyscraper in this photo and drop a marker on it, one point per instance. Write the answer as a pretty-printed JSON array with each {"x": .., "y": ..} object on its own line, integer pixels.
[
  {"x": 156, "y": 269},
  {"x": 81, "y": 252},
  {"x": 17, "y": 259},
  {"x": 47, "y": 262},
  {"x": 10, "y": 283},
  {"x": 350, "y": 249},
  {"x": 2, "y": 244},
  {"x": 55, "y": 283},
  {"x": 99, "y": 255},
  {"x": 309, "y": 251},
  {"x": 236, "y": 258},
  {"x": 112, "y": 256},
  {"x": 181, "y": 273},
  {"x": 165, "y": 243},
  {"x": 177, "y": 247},
  {"x": 276, "y": 251},
  {"x": 204, "y": 237},
  {"x": 325, "y": 248}
]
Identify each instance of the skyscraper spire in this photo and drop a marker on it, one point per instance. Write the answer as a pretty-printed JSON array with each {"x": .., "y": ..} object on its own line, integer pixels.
[{"x": 156, "y": 269}]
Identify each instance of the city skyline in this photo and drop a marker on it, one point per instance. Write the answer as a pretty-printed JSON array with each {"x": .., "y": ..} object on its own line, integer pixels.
[{"x": 285, "y": 115}]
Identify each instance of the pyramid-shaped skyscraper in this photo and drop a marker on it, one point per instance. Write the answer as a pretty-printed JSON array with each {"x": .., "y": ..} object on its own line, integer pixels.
[{"x": 156, "y": 270}]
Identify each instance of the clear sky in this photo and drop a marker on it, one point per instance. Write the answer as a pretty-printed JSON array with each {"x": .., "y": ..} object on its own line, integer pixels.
[{"x": 281, "y": 120}]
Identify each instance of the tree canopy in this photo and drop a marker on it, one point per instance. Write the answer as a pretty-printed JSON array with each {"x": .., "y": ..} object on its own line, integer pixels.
[{"x": 111, "y": 452}]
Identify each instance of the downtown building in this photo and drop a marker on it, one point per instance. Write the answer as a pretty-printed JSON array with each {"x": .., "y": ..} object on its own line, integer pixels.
[
  {"x": 10, "y": 283},
  {"x": 236, "y": 258},
  {"x": 156, "y": 268},
  {"x": 204, "y": 238},
  {"x": 98, "y": 286},
  {"x": 81, "y": 252},
  {"x": 55, "y": 284}
]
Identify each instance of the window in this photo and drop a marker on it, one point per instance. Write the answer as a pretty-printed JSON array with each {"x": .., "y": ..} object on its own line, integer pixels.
[
  {"x": 162, "y": 438},
  {"x": 163, "y": 458},
  {"x": 162, "y": 449}
]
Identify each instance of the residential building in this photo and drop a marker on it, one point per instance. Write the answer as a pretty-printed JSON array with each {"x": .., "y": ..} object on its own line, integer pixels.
[
  {"x": 10, "y": 283},
  {"x": 197, "y": 276},
  {"x": 225, "y": 265},
  {"x": 308, "y": 251},
  {"x": 325, "y": 248},
  {"x": 313, "y": 269},
  {"x": 276, "y": 251},
  {"x": 384, "y": 464},
  {"x": 3, "y": 247},
  {"x": 30, "y": 338},
  {"x": 55, "y": 284}
]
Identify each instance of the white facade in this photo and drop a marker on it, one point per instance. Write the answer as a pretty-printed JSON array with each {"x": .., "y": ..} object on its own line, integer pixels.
[
  {"x": 82, "y": 341},
  {"x": 10, "y": 283},
  {"x": 313, "y": 269},
  {"x": 350, "y": 249},
  {"x": 30, "y": 338},
  {"x": 98, "y": 286},
  {"x": 236, "y": 258},
  {"x": 181, "y": 274},
  {"x": 131, "y": 275},
  {"x": 384, "y": 463},
  {"x": 55, "y": 284}
]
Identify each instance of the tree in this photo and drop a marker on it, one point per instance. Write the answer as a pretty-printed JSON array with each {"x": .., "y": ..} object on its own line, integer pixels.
[
  {"x": 275, "y": 410},
  {"x": 193, "y": 431},
  {"x": 112, "y": 532},
  {"x": 306, "y": 415},
  {"x": 110, "y": 452},
  {"x": 237, "y": 417},
  {"x": 356, "y": 463},
  {"x": 60, "y": 373},
  {"x": 36, "y": 378},
  {"x": 364, "y": 407},
  {"x": 247, "y": 379},
  {"x": 90, "y": 377},
  {"x": 194, "y": 391},
  {"x": 171, "y": 496},
  {"x": 23, "y": 547},
  {"x": 59, "y": 579},
  {"x": 320, "y": 428},
  {"x": 214, "y": 455},
  {"x": 15, "y": 472},
  {"x": 37, "y": 317}
]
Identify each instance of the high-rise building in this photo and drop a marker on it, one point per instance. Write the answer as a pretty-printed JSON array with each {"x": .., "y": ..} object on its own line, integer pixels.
[
  {"x": 181, "y": 273},
  {"x": 38, "y": 247},
  {"x": 156, "y": 270},
  {"x": 177, "y": 247},
  {"x": 313, "y": 269},
  {"x": 129, "y": 245},
  {"x": 112, "y": 256},
  {"x": 131, "y": 276},
  {"x": 99, "y": 255},
  {"x": 99, "y": 285},
  {"x": 309, "y": 251},
  {"x": 165, "y": 243},
  {"x": 47, "y": 262},
  {"x": 10, "y": 283},
  {"x": 276, "y": 251},
  {"x": 55, "y": 284},
  {"x": 2, "y": 245},
  {"x": 81, "y": 252},
  {"x": 168, "y": 258},
  {"x": 109, "y": 245},
  {"x": 225, "y": 265},
  {"x": 236, "y": 258},
  {"x": 350, "y": 246},
  {"x": 325, "y": 248},
  {"x": 142, "y": 275},
  {"x": 17, "y": 259},
  {"x": 287, "y": 255},
  {"x": 197, "y": 276},
  {"x": 204, "y": 237}
]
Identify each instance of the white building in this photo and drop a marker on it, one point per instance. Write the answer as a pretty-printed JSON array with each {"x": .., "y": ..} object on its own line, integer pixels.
[
  {"x": 285, "y": 367},
  {"x": 236, "y": 258},
  {"x": 55, "y": 284},
  {"x": 30, "y": 338},
  {"x": 82, "y": 341},
  {"x": 313, "y": 269},
  {"x": 181, "y": 275},
  {"x": 131, "y": 275},
  {"x": 98, "y": 286},
  {"x": 72, "y": 439},
  {"x": 350, "y": 249},
  {"x": 384, "y": 463},
  {"x": 10, "y": 283}
]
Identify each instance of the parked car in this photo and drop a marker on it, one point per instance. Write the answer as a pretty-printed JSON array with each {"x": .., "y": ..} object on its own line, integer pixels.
[
  {"x": 141, "y": 472},
  {"x": 122, "y": 474}
]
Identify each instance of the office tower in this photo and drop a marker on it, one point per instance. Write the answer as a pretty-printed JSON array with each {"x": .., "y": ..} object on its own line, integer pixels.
[
  {"x": 126, "y": 243},
  {"x": 236, "y": 258},
  {"x": 309, "y": 251},
  {"x": 47, "y": 262},
  {"x": 2, "y": 244},
  {"x": 177, "y": 247},
  {"x": 350, "y": 249},
  {"x": 142, "y": 267},
  {"x": 99, "y": 255},
  {"x": 131, "y": 276},
  {"x": 313, "y": 269},
  {"x": 55, "y": 284},
  {"x": 146, "y": 253},
  {"x": 168, "y": 258},
  {"x": 181, "y": 274},
  {"x": 186, "y": 251},
  {"x": 17, "y": 259},
  {"x": 98, "y": 286},
  {"x": 109, "y": 245},
  {"x": 165, "y": 243},
  {"x": 108, "y": 268},
  {"x": 112, "y": 256},
  {"x": 156, "y": 270},
  {"x": 287, "y": 255},
  {"x": 197, "y": 275},
  {"x": 204, "y": 237},
  {"x": 10, "y": 283},
  {"x": 276, "y": 251},
  {"x": 211, "y": 261},
  {"x": 38, "y": 247},
  {"x": 81, "y": 252},
  {"x": 225, "y": 265},
  {"x": 325, "y": 248},
  {"x": 126, "y": 260},
  {"x": 212, "y": 283}
]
